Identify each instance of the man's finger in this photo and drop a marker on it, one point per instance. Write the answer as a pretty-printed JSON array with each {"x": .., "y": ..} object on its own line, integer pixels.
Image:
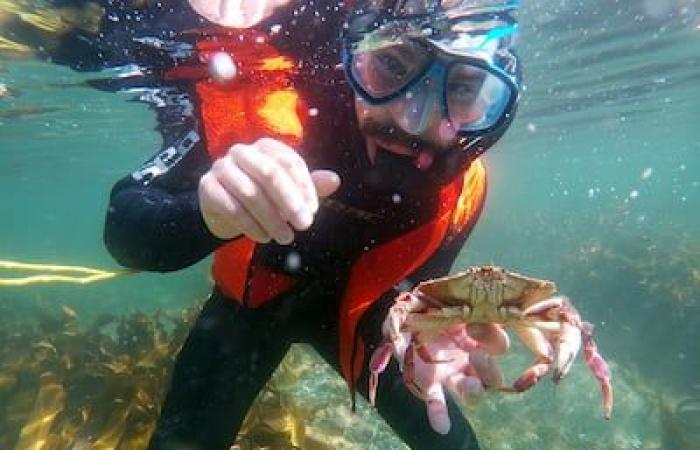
[
  {"x": 487, "y": 368},
  {"x": 225, "y": 217},
  {"x": 326, "y": 182},
  {"x": 296, "y": 168},
  {"x": 251, "y": 196},
  {"x": 437, "y": 409},
  {"x": 277, "y": 185},
  {"x": 467, "y": 388},
  {"x": 301, "y": 177}
]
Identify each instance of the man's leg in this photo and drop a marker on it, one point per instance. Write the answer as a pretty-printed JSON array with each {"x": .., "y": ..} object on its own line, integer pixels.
[{"x": 229, "y": 355}]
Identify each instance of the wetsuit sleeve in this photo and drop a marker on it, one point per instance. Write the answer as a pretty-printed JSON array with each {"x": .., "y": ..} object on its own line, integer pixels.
[{"x": 154, "y": 221}]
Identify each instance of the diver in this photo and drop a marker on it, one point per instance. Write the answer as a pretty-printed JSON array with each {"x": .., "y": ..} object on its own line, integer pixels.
[{"x": 326, "y": 177}]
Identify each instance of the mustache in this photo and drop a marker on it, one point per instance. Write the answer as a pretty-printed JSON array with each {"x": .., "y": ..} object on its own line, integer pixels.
[
  {"x": 384, "y": 132},
  {"x": 390, "y": 132}
]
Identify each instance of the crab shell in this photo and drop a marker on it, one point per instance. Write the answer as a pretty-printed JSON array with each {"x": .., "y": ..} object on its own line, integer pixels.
[{"x": 492, "y": 294}]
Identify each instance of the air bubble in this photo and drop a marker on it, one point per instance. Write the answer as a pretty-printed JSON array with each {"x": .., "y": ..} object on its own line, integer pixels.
[
  {"x": 293, "y": 262},
  {"x": 221, "y": 67}
]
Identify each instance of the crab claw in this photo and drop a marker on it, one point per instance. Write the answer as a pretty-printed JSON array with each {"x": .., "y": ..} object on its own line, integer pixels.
[
  {"x": 601, "y": 372},
  {"x": 531, "y": 376},
  {"x": 567, "y": 346},
  {"x": 377, "y": 364}
]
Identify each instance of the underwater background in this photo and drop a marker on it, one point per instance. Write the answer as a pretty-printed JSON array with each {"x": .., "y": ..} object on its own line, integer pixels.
[{"x": 596, "y": 186}]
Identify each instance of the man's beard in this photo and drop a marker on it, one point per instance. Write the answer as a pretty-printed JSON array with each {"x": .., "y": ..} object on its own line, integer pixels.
[
  {"x": 399, "y": 173},
  {"x": 391, "y": 133}
]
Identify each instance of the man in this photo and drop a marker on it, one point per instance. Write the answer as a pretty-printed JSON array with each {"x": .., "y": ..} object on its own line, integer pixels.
[{"x": 323, "y": 188}]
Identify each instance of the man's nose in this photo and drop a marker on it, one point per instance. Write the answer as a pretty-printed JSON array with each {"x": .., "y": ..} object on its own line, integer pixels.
[{"x": 419, "y": 109}]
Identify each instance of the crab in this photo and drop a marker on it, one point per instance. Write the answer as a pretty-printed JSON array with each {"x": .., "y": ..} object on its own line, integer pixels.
[{"x": 488, "y": 296}]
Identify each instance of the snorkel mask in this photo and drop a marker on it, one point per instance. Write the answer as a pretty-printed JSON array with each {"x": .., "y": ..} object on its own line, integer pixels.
[{"x": 460, "y": 50}]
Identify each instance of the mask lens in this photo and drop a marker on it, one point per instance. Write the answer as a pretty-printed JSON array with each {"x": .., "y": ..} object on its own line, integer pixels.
[
  {"x": 384, "y": 72},
  {"x": 476, "y": 98}
]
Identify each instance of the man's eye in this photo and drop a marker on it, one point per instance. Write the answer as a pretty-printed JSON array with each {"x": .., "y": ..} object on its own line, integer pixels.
[
  {"x": 393, "y": 65},
  {"x": 465, "y": 90}
]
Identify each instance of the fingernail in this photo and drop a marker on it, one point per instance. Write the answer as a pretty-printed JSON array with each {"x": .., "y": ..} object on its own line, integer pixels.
[
  {"x": 440, "y": 421},
  {"x": 304, "y": 218},
  {"x": 297, "y": 203},
  {"x": 284, "y": 237}
]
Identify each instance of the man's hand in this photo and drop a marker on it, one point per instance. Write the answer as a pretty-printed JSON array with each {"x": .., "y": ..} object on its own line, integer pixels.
[
  {"x": 263, "y": 191},
  {"x": 461, "y": 360}
]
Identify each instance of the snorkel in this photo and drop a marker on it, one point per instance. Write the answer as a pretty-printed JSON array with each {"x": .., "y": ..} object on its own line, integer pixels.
[{"x": 392, "y": 50}]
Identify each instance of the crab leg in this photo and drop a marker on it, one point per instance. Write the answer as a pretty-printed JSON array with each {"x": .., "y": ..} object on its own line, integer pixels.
[
  {"x": 424, "y": 354},
  {"x": 600, "y": 371},
  {"x": 397, "y": 341},
  {"x": 542, "y": 309},
  {"x": 462, "y": 339},
  {"x": 562, "y": 324},
  {"x": 405, "y": 304},
  {"x": 567, "y": 344},
  {"x": 535, "y": 340},
  {"x": 568, "y": 341},
  {"x": 377, "y": 364},
  {"x": 431, "y": 322}
]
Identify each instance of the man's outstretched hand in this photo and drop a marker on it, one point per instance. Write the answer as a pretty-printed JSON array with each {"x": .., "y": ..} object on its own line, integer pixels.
[
  {"x": 263, "y": 191},
  {"x": 460, "y": 359},
  {"x": 462, "y": 362}
]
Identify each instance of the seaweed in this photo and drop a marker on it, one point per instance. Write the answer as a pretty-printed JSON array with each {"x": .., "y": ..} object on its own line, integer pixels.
[
  {"x": 100, "y": 385},
  {"x": 680, "y": 423},
  {"x": 63, "y": 384}
]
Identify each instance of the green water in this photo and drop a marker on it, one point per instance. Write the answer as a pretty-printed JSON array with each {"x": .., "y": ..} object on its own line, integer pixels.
[
  {"x": 595, "y": 186},
  {"x": 56, "y": 171}
]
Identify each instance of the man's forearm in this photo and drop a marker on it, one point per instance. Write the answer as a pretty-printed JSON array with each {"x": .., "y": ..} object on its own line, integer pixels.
[{"x": 149, "y": 229}]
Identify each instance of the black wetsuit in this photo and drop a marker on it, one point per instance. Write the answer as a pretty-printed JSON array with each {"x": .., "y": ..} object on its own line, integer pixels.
[{"x": 154, "y": 223}]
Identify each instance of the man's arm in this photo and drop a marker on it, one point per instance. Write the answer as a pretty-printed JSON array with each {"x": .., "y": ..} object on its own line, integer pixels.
[
  {"x": 179, "y": 207},
  {"x": 154, "y": 220}
]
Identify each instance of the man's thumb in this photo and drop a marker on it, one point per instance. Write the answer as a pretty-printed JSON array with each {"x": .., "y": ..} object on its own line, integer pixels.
[{"x": 326, "y": 182}]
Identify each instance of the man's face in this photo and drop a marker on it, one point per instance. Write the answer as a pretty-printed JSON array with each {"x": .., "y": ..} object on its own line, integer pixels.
[{"x": 415, "y": 125}]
